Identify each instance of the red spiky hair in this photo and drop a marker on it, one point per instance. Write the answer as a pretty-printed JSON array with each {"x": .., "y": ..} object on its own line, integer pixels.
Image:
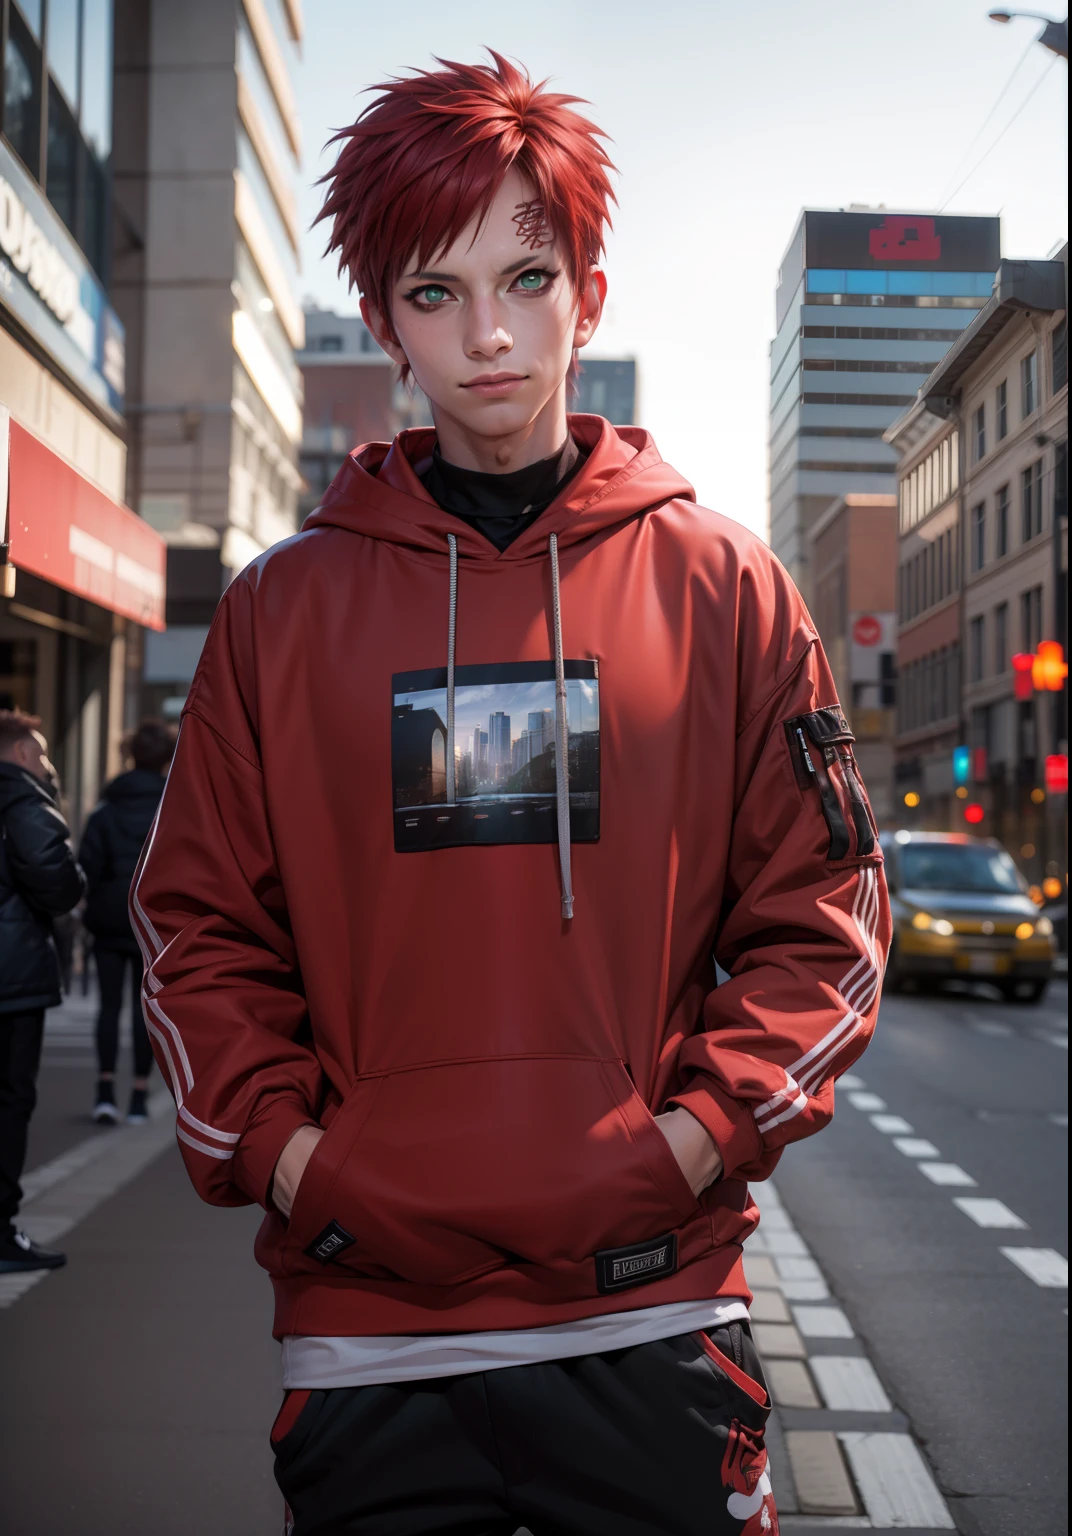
[{"x": 431, "y": 152}]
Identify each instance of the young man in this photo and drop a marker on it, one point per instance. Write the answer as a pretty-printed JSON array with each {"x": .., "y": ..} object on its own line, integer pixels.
[
  {"x": 478, "y": 774},
  {"x": 39, "y": 880},
  {"x": 111, "y": 846}
]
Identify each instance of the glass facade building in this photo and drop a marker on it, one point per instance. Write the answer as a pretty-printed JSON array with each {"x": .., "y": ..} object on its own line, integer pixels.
[{"x": 868, "y": 303}]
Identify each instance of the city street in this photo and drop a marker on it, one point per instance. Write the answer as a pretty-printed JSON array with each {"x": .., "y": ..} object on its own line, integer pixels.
[{"x": 139, "y": 1383}]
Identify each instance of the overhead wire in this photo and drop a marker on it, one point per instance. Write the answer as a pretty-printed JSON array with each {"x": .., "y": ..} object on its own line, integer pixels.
[
  {"x": 990, "y": 115},
  {"x": 987, "y": 153}
]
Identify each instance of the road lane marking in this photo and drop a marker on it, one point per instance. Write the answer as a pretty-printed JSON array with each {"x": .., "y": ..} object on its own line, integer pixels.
[
  {"x": 891, "y": 1125},
  {"x": 989, "y": 1213},
  {"x": 849, "y": 1081},
  {"x": 866, "y": 1101},
  {"x": 850, "y": 1383},
  {"x": 823, "y": 1323},
  {"x": 896, "y": 1486},
  {"x": 1043, "y": 1265},
  {"x": 915, "y": 1146},
  {"x": 947, "y": 1173}
]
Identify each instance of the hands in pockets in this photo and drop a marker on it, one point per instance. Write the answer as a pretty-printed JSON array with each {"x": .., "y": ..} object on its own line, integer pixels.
[{"x": 441, "y": 1173}]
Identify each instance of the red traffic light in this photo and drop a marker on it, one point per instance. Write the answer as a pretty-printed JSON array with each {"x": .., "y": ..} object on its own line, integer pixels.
[
  {"x": 1022, "y": 686},
  {"x": 974, "y": 813},
  {"x": 1057, "y": 774}
]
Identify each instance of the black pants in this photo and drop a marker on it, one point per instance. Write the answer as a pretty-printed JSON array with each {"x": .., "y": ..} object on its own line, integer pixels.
[
  {"x": 663, "y": 1438},
  {"x": 20, "y": 1057},
  {"x": 112, "y": 965}
]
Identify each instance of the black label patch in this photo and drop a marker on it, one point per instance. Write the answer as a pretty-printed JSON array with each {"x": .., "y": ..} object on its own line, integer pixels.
[
  {"x": 505, "y": 751},
  {"x": 617, "y": 1268},
  {"x": 327, "y": 1245}
]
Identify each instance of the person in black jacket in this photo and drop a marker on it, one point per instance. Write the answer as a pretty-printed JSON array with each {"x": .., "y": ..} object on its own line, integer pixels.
[
  {"x": 111, "y": 847},
  {"x": 39, "y": 880}
]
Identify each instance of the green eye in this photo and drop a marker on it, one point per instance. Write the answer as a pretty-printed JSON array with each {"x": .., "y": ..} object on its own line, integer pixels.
[
  {"x": 434, "y": 294},
  {"x": 531, "y": 280}
]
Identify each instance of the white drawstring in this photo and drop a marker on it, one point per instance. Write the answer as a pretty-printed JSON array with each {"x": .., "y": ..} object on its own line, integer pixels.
[
  {"x": 452, "y": 629},
  {"x": 561, "y": 743}
]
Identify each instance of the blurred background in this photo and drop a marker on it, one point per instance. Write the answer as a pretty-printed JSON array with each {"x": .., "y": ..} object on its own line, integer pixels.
[{"x": 838, "y": 290}]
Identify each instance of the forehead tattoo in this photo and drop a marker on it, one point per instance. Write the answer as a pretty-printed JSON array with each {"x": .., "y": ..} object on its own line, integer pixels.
[{"x": 532, "y": 226}]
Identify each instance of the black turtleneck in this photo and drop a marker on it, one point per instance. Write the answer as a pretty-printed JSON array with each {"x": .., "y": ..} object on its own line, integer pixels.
[{"x": 501, "y": 506}]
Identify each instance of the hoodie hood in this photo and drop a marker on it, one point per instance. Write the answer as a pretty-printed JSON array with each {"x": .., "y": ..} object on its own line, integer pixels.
[
  {"x": 377, "y": 493},
  {"x": 19, "y": 784}
]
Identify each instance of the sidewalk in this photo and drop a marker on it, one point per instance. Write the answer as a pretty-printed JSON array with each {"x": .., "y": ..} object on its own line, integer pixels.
[{"x": 140, "y": 1382}]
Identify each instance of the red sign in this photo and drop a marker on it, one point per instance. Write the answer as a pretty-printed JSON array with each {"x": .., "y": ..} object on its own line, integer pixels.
[
  {"x": 1057, "y": 773},
  {"x": 905, "y": 237},
  {"x": 63, "y": 528},
  {"x": 867, "y": 630},
  {"x": 974, "y": 813}
]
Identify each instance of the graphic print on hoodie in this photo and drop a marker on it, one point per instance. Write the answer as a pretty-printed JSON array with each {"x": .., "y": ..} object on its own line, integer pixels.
[
  {"x": 487, "y": 1070},
  {"x": 506, "y": 783}
]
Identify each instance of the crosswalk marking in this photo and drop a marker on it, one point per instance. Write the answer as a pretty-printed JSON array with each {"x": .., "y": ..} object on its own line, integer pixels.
[
  {"x": 849, "y": 1081},
  {"x": 989, "y": 1213},
  {"x": 866, "y": 1101},
  {"x": 915, "y": 1146},
  {"x": 894, "y": 1482},
  {"x": 849, "y": 1383},
  {"x": 947, "y": 1173},
  {"x": 1043, "y": 1265}
]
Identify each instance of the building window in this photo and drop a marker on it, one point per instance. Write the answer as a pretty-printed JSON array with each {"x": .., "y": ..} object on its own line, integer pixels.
[
  {"x": 1001, "y": 638},
  {"x": 1059, "y": 355},
  {"x": 976, "y": 643},
  {"x": 1001, "y": 522},
  {"x": 1031, "y": 500},
  {"x": 979, "y": 434},
  {"x": 1031, "y": 618},
  {"x": 978, "y": 536},
  {"x": 1029, "y": 383},
  {"x": 22, "y": 91},
  {"x": 1001, "y": 413}
]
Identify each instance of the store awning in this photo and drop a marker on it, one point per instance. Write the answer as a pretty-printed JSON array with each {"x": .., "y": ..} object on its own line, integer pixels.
[{"x": 64, "y": 529}]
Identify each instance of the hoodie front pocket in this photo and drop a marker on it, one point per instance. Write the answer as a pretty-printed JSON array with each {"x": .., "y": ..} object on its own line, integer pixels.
[{"x": 462, "y": 1167}]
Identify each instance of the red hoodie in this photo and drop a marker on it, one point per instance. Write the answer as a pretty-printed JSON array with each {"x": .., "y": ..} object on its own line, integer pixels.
[{"x": 338, "y": 930}]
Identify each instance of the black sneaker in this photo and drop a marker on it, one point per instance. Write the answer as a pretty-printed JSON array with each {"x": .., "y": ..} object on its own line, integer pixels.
[
  {"x": 104, "y": 1110},
  {"x": 19, "y": 1253},
  {"x": 138, "y": 1109}
]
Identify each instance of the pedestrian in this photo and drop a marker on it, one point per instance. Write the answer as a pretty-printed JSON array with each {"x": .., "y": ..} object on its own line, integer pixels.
[
  {"x": 39, "y": 881},
  {"x": 111, "y": 845},
  {"x": 477, "y": 778}
]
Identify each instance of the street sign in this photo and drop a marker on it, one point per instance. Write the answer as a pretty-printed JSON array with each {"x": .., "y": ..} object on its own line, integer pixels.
[{"x": 867, "y": 630}]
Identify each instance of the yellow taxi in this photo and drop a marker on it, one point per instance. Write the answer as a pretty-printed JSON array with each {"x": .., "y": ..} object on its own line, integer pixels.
[{"x": 961, "y": 911}]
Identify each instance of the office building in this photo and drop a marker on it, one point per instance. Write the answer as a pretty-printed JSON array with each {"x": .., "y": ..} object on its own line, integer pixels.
[
  {"x": 606, "y": 387},
  {"x": 80, "y": 574},
  {"x": 353, "y": 395},
  {"x": 999, "y": 400},
  {"x": 868, "y": 302},
  {"x": 206, "y": 283},
  {"x": 853, "y": 560}
]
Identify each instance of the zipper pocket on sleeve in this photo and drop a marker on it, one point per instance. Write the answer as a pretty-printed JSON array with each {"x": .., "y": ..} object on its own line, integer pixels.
[{"x": 820, "y": 746}]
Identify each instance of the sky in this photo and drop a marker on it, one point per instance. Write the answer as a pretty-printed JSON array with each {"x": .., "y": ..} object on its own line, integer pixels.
[{"x": 726, "y": 120}]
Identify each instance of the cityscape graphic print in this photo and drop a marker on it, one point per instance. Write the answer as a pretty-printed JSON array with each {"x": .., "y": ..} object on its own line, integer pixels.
[{"x": 505, "y": 753}]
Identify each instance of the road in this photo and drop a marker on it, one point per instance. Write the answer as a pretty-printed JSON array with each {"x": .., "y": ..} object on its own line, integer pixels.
[
  {"x": 967, "y": 1345},
  {"x": 917, "y": 1371}
]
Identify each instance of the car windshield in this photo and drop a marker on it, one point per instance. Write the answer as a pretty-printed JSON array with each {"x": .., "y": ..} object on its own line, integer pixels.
[{"x": 958, "y": 867}]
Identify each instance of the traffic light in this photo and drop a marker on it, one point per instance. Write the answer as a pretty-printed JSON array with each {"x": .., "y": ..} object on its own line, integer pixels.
[
  {"x": 1049, "y": 668},
  {"x": 974, "y": 813},
  {"x": 1022, "y": 665},
  {"x": 1057, "y": 773},
  {"x": 961, "y": 765}
]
